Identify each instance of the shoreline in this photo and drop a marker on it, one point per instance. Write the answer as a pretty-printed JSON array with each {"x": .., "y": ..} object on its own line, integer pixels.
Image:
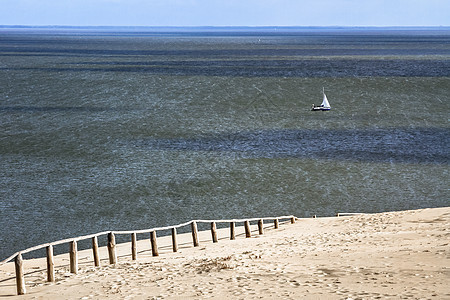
[{"x": 390, "y": 255}]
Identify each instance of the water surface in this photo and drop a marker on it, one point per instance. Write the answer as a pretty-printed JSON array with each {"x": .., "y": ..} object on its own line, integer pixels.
[{"x": 106, "y": 130}]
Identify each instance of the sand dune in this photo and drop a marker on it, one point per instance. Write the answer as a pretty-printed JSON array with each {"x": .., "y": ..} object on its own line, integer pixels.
[{"x": 395, "y": 255}]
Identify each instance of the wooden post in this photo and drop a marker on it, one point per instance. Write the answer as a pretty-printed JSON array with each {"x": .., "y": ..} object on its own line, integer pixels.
[
  {"x": 73, "y": 252},
  {"x": 153, "y": 242},
  {"x": 260, "y": 226},
  {"x": 174, "y": 240},
  {"x": 20, "y": 280},
  {"x": 194, "y": 233},
  {"x": 214, "y": 232},
  {"x": 292, "y": 220},
  {"x": 276, "y": 224},
  {"x": 95, "y": 251},
  {"x": 50, "y": 264},
  {"x": 133, "y": 246},
  {"x": 112, "y": 248},
  {"x": 232, "y": 231},
  {"x": 247, "y": 229}
]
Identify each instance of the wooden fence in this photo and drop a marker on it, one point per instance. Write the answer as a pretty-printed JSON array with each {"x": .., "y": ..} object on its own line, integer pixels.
[{"x": 111, "y": 244}]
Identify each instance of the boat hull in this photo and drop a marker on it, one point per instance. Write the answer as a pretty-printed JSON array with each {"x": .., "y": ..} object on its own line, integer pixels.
[{"x": 320, "y": 109}]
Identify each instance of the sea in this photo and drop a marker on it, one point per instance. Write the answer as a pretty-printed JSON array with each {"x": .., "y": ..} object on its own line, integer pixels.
[{"x": 133, "y": 128}]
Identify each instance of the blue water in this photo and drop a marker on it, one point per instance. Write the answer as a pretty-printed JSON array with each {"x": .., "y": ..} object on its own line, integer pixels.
[{"x": 105, "y": 130}]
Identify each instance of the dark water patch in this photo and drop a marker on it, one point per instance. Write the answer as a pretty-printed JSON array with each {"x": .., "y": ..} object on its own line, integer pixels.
[
  {"x": 49, "y": 109},
  {"x": 316, "y": 68},
  {"x": 313, "y": 51},
  {"x": 249, "y": 62},
  {"x": 37, "y": 55},
  {"x": 423, "y": 145}
]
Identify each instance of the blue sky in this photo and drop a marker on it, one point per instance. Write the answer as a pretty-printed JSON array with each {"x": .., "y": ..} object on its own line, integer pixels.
[{"x": 226, "y": 12}]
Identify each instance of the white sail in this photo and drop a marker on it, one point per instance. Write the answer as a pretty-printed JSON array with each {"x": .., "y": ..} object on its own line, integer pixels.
[{"x": 325, "y": 101}]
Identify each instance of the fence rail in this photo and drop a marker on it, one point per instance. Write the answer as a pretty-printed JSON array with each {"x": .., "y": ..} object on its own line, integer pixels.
[{"x": 111, "y": 244}]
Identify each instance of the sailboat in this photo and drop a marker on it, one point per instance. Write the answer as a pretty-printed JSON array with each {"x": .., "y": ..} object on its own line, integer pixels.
[{"x": 325, "y": 104}]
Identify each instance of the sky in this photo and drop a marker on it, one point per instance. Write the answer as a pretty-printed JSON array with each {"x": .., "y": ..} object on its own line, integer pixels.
[{"x": 225, "y": 12}]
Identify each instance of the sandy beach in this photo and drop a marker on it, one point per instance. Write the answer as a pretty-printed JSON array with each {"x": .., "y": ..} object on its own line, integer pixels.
[{"x": 394, "y": 255}]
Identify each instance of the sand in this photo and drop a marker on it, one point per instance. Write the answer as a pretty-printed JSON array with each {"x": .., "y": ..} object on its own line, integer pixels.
[{"x": 394, "y": 255}]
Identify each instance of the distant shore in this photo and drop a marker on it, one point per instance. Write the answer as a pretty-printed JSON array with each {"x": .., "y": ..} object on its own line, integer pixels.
[{"x": 391, "y": 255}]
